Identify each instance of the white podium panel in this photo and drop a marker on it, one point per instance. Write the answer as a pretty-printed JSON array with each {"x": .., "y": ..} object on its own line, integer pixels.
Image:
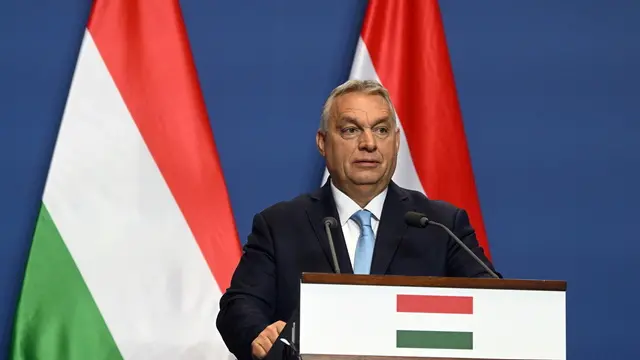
[{"x": 432, "y": 322}]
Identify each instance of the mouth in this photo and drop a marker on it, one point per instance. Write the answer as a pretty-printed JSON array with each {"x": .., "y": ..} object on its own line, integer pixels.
[{"x": 366, "y": 163}]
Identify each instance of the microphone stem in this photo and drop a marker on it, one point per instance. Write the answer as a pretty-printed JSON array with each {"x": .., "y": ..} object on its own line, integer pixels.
[
  {"x": 332, "y": 247},
  {"x": 465, "y": 248}
]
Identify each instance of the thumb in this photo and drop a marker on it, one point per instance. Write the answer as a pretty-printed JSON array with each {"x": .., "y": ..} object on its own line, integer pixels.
[{"x": 280, "y": 326}]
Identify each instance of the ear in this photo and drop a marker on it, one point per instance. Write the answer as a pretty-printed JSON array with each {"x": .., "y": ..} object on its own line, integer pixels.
[{"x": 320, "y": 137}]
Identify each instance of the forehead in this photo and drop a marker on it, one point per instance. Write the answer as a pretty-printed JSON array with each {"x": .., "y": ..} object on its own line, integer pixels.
[{"x": 361, "y": 106}]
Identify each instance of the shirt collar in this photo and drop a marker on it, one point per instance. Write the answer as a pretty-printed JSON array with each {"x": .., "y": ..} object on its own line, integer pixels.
[{"x": 347, "y": 207}]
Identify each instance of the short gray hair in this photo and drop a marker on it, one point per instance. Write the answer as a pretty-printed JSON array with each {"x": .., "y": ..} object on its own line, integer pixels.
[{"x": 367, "y": 87}]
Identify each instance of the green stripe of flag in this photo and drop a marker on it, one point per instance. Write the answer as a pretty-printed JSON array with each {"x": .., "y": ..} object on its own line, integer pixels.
[
  {"x": 57, "y": 317},
  {"x": 434, "y": 339}
]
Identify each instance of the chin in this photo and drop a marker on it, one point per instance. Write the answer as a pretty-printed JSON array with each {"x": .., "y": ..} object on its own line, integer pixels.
[{"x": 366, "y": 180}]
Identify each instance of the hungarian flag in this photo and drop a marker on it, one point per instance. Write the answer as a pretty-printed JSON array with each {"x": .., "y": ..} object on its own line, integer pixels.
[
  {"x": 135, "y": 239},
  {"x": 402, "y": 45},
  {"x": 432, "y": 338}
]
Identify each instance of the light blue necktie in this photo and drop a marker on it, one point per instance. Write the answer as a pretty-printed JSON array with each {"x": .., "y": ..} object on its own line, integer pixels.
[{"x": 364, "y": 249}]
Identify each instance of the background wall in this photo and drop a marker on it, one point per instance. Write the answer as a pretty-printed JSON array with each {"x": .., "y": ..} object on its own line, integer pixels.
[{"x": 549, "y": 93}]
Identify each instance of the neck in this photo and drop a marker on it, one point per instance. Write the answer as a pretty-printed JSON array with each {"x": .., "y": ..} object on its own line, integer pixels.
[{"x": 361, "y": 194}]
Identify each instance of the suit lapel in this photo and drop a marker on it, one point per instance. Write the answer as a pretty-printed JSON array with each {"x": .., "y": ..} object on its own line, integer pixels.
[
  {"x": 391, "y": 228},
  {"x": 322, "y": 206}
]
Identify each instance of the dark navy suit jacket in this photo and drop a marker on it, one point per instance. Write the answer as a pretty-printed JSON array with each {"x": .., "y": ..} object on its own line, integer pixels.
[{"x": 288, "y": 238}]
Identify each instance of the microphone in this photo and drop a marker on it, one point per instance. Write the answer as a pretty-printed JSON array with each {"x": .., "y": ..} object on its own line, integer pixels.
[
  {"x": 331, "y": 223},
  {"x": 292, "y": 352},
  {"x": 289, "y": 337},
  {"x": 417, "y": 219}
]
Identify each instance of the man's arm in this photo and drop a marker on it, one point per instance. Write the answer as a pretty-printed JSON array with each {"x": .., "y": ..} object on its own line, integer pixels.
[
  {"x": 247, "y": 307},
  {"x": 459, "y": 262}
]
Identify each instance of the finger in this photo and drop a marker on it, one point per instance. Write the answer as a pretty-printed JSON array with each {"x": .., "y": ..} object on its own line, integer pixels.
[
  {"x": 280, "y": 326},
  {"x": 257, "y": 350},
  {"x": 270, "y": 333},
  {"x": 265, "y": 344}
]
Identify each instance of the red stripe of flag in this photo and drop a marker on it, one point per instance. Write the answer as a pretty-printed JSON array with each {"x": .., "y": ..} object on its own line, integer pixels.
[
  {"x": 145, "y": 47},
  {"x": 435, "y": 304},
  {"x": 407, "y": 45}
]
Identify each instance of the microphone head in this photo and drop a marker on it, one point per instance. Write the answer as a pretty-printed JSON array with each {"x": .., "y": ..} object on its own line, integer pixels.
[
  {"x": 333, "y": 223},
  {"x": 416, "y": 219}
]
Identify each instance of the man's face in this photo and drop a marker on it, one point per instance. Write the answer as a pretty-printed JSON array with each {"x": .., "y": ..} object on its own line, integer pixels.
[{"x": 361, "y": 143}]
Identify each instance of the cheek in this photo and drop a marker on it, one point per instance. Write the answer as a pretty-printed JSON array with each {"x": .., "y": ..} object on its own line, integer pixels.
[
  {"x": 388, "y": 150},
  {"x": 338, "y": 155},
  {"x": 343, "y": 150}
]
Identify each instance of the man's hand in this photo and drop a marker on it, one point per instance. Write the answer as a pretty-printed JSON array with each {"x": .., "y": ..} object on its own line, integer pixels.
[{"x": 262, "y": 344}]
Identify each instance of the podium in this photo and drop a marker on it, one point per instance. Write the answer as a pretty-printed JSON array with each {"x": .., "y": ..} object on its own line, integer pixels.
[{"x": 367, "y": 317}]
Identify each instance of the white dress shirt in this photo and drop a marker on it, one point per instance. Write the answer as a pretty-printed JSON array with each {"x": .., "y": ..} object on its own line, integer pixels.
[{"x": 346, "y": 208}]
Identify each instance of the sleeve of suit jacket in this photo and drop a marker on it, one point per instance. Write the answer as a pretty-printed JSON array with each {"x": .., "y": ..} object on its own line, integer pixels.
[
  {"x": 248, "y": 305},
  {"x": 460, "y": 263}
]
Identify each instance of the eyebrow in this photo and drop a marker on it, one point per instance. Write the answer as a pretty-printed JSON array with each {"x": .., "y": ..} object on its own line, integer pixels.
[{"x": 349, "y": 119}]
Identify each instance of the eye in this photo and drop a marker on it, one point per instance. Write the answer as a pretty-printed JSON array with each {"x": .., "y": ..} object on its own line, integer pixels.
[
  {"x": 382, "y": 130},
  {"x": 349, "y": 131}
]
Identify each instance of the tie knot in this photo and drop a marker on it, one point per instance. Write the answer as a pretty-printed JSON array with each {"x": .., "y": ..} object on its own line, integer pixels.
[{"x": 362, "y": 217}]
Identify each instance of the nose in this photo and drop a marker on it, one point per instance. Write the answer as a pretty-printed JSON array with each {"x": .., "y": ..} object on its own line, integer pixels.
[{"x": 367, "y": 141}]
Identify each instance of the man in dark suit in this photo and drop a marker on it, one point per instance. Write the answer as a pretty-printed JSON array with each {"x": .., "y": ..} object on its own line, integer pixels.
[{"x": 359, "y": 139}]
